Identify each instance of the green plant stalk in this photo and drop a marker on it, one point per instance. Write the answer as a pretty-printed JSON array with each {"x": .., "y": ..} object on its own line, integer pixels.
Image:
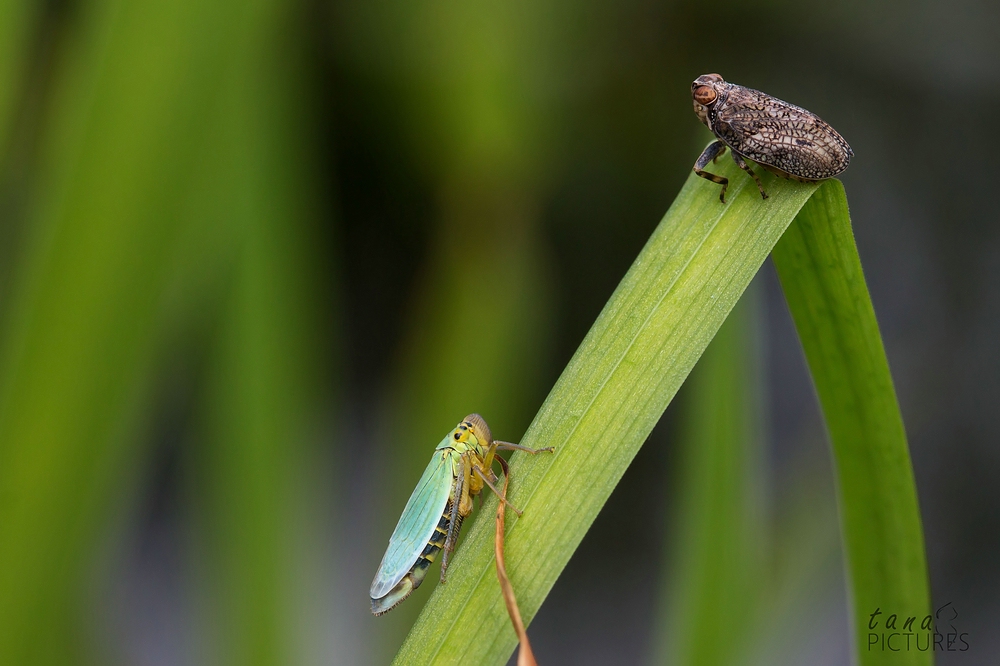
[
  {"x": 661, "y": 317},
  {"x": 824, "y": 285}
]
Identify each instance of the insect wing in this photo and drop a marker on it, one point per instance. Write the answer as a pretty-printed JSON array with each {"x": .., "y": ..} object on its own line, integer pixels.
[
  {"x": 782, "y": 135},
  {"x": 416, "y": 525}
]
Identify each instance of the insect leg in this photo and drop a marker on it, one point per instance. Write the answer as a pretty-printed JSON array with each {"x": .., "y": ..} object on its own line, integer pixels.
[
  {"x": 458, "y": 488},
  {"x": 507, "y": 446},
  {"x": 746, "y": 167},
  {"x": 713, "y": 150},
  {"x": 495, "y": 491}
]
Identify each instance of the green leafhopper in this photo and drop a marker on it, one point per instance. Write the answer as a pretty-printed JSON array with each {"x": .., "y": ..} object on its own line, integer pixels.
[{"x": 459, "y": 469}]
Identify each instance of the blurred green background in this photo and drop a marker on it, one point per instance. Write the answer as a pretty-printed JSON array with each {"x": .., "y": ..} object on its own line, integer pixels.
[{"x": 256, "y": 258}]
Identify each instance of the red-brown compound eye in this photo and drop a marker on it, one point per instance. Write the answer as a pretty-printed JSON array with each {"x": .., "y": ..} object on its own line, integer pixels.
[{"x": 704, "y": 95}]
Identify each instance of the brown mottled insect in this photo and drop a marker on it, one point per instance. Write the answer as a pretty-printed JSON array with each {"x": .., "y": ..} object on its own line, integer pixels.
[{"x": 783, "y": 138}]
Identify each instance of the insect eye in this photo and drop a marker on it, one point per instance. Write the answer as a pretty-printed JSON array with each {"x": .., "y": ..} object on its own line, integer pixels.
[
  {"x": 704, "y": 94},
  {"x": 458, "y": 435}
]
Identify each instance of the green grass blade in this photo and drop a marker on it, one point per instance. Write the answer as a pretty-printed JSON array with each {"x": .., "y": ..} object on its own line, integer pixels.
[
  {"x": 821, "y": 274},
  {"x": 665, "y": 311}
]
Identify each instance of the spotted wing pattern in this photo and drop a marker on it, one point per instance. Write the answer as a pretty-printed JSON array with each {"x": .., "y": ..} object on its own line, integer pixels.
[{"x": 780, "y": 135}]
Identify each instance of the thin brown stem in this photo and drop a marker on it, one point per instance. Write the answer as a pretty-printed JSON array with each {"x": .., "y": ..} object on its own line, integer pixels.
[{"x": 525, "y": 656}]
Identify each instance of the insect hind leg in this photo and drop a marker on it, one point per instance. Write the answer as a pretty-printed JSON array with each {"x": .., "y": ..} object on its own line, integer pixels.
[
  {"x": 741, "y": 163},
  {"x": 713, "y": 151}
]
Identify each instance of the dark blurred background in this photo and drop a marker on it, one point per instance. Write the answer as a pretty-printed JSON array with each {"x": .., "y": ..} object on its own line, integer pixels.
[{"x": 256, "y": 258}]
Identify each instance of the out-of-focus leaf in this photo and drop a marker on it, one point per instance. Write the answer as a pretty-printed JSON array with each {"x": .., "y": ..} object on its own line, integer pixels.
[
  {"x": 717, "y": 574},
  {"x": 113, "y": 227},
  {"x": 18, "y": 18},
  {"x": 265, "y": 379}
]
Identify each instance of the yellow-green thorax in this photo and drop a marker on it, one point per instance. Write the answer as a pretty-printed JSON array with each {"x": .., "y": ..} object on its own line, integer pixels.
[{"x": 470, "y": 440}]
